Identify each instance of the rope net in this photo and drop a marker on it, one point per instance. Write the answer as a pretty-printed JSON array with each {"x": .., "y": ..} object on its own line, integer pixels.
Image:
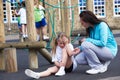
[{"x": 51, "y": 12}]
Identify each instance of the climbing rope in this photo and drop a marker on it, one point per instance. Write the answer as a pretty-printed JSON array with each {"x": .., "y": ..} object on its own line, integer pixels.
[
  {"x": 57, "y": 6},
  {"x": 53, "y": 27}
]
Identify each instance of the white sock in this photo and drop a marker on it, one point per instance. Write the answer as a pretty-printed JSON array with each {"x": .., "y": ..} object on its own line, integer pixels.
[
  {"x": 38, "y": 37},
  {"x": 62, "y": 68},
  {"x": 23, "y": 35},
  {"x": 26, "y": 35},
  {"x": 61, "y": 71}
]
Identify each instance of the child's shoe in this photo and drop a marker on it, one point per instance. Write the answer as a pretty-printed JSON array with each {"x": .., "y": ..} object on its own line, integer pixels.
[
  {"x": 60, "y": 72},
  {"x": 32, "y": 74}
]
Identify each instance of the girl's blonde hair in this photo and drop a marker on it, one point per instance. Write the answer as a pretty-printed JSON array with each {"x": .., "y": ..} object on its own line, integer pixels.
[
  {"x": 64, "y": 35},
  {"x": 55, "y": 42},
  {"x": 54, "y": 45},
  {"x": 58, "y": 38}
]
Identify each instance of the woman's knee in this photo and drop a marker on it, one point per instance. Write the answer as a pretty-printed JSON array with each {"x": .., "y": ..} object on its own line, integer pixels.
[{"x": 86, "y": 45}]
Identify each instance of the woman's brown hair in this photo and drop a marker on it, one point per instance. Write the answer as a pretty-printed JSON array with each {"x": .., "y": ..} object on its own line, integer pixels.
[{"x": 89, "y": 17}]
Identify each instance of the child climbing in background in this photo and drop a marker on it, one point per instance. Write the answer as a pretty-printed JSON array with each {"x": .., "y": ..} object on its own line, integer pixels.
[
  {"x": 40, "y": 21},
  {"x": 23, "y": 20},
  {"x": 63, "y": 61},
  {"x": 18, "y": 19}
]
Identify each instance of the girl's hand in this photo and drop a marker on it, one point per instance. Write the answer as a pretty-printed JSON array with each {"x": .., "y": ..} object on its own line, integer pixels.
[
  {"x": 13, "y": 12},
  {"x": 65, "y": 40}
]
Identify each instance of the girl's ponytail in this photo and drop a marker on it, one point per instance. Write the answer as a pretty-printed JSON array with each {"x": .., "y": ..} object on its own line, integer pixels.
[{"x": 54, "y": 45}]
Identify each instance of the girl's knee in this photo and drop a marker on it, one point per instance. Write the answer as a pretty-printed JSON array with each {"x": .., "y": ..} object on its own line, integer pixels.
[
  {"x": 54, "y": 68},
  {"x": 64, "y": 50},
  {"x": 49, "y": 69}
]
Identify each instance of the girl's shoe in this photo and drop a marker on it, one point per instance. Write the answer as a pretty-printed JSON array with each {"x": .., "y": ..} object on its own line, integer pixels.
[
  {"x": 32, "y": 74},
  {"x": 96, "y": 71},
  {"x": 60, "y": 72},
  {"x": 45, "y": 37}
]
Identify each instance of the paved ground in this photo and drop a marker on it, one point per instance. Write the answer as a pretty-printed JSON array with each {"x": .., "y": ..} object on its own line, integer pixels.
[{"x": 113, "y": 72}]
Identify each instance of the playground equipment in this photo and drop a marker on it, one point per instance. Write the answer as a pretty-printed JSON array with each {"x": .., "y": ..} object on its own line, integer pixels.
[
  {"x": 9, "y": 62},
  {"x": 8, "y": 59}
]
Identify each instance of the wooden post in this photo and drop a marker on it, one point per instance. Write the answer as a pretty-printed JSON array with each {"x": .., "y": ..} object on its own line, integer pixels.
[
  {"x": 89, "y": 5},
  {"x": 31, "y": 32},
  {"x": 65, "y": 19},
  {"x": 2, "y": 36},
  {"x": 20, "y": 45},
  {"x": 48, "y": 19},
  {"x": 8, "y": 15},
  {"x": 110, "y": 13},
  {"x": 11, "y": 60},
  {"x": 45, "y": 54},
  {"x": 33, "y": 59},
  {"x": 62, "y": 17},
  {"x": 2, "y": 60}
]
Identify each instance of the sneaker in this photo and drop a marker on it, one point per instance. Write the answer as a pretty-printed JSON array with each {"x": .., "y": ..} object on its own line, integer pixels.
[
  {"x": 38, "y": 38},
  {"x": 105, "y": 67},
  {"x": 23, "y": 35},
  {"x": 26, "y": 36},
  {"x": 107, "y": 63},
  {"x": 45, "y": 37},
  {"x": 60, "y": 72},
  {"x": 32, "y": 74},
  {"x": 93, "y": 71},
  {"x": 96, "y": 71}
]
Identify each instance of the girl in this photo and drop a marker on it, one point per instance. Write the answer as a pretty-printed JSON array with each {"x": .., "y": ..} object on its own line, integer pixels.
[
  {"x": 99, "y": 48},
  {"x": 18, "y": 18},
  {"x": 40, "y": 21},
  {"x": 63, "y": 63}
]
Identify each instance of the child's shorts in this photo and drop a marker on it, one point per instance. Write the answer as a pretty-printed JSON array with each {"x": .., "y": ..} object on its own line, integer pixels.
[
  {"x": 19, "y": 25},
  {"x": 68, "y": 70},
  {"x": 41, "y": 23}
]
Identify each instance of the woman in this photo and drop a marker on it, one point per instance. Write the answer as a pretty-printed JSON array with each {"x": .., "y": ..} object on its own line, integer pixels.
[{"x": 99, "y": 48}]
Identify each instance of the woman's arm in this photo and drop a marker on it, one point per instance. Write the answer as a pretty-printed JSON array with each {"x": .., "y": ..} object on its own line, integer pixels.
[
  {"x": 76, "y": 51},
  {"x": 103, "y": 36}
]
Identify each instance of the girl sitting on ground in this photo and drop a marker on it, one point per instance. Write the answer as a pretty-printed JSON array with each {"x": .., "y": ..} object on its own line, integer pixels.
[{"x": 61, "y": 56}]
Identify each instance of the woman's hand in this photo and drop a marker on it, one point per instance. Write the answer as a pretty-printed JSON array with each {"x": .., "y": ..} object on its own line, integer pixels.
[
  {"x": 82, "y": 40},
  {"x": 57, "y": 64},
  {"x": 76, "y": 51}
]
